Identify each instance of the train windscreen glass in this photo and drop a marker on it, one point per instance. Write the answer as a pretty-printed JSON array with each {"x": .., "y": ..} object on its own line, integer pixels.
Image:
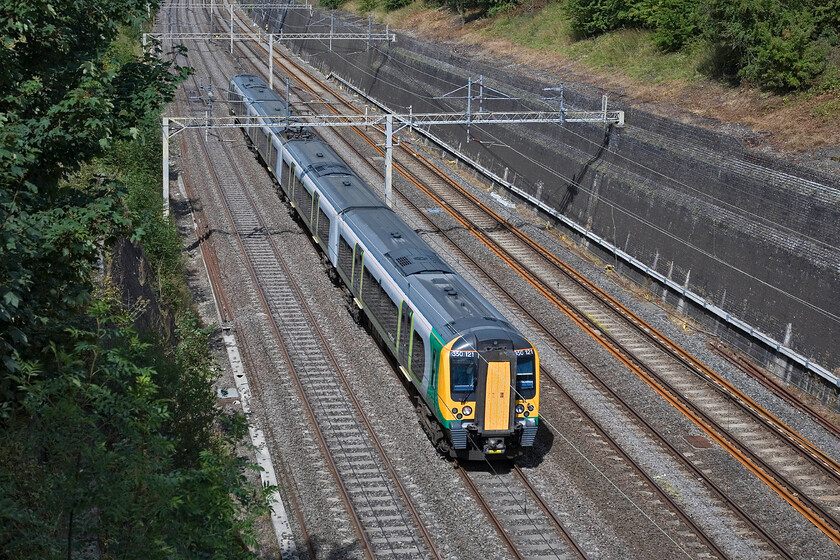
[
  {"x": 462, "y": 370},
  {"x": 525, "y": 374}
]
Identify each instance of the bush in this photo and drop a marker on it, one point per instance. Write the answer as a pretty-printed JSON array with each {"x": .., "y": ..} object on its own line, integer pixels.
[
  {"x": 675, "y": 22},
  {"x": 592, "y": 17},
  {"x": 778, "y": 45}
]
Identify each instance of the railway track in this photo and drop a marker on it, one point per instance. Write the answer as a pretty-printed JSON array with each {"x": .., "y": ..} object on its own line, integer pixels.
[
  {"x": 385, "y": 522},
  {"x": 528, "y": 531},
  {"x": 523, "y": 531},
  {"x": 763, "y": 444},
  {"x": 654, "y": 360}
]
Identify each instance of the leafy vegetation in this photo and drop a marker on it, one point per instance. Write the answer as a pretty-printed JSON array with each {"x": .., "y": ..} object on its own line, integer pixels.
[
  {"x": 777, "y": 45},
  {"x": 112, "y": 447}
]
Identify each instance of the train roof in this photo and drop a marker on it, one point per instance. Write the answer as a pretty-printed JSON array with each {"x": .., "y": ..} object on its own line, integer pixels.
[
  {"x": 269, "y": 103},
  {"x": 441, "y": 295},
  {"x": 340, "y": 186}
]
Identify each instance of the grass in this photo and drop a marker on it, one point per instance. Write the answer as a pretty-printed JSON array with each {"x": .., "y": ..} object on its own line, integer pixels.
[
  {"x": 546, "y": 29},
  {"x": 630, "y": 51},
  {"x": 828, "y": 111}
]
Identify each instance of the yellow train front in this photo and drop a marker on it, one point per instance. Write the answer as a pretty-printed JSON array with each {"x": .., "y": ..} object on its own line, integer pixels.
[{"x": 488, "y": 391}]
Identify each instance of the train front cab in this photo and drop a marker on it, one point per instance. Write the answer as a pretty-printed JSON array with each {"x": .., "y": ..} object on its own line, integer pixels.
[{"x": 489, "y": 399}]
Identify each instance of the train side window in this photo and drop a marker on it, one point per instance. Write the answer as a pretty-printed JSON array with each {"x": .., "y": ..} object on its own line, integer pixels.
[
  {"x": 418, "y": 356},
  {"x": 345, "y": 257},
  {"x": 526, "y": 376},
  {"x": 462, "y": 377},
  {"x": 323, "y": 228},
  {"x": 380, "y": 305}
]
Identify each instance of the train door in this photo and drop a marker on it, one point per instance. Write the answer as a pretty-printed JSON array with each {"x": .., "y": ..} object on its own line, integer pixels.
[
  {"x": 495, "y": 409},
  {"x": 272, "y": 153},
  {"x": 404, "y": 336},
  {"x": 497, "y": 396},
  {"x": 290, "y": 184},
  {"x": 313, "y": 214}
]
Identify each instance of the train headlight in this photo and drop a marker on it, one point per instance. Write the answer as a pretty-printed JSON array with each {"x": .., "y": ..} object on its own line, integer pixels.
[
  {"x": 454, "y": 410},
  {"x": 520, "y": 409},
  {"x": 531, "y": 407},
  {"x": 467, "y": 410}
]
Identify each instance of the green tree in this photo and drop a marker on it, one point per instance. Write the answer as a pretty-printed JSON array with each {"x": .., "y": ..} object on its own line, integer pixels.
[
  {"x": 100, "y": 472},
  {"x": 60, "y": 105},
  {"x": 778, "y": 45},
  {"x": 674, "y": 22},
  {"x": 592, "y": 17},
  {"x": 110, "y": 449}
]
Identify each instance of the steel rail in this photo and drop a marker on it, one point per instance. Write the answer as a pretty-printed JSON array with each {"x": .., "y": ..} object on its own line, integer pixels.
[
  {"x": 383, "y": 455},
  {"x": 579, "y": 552},
  {"x": 663, "y": 495},
  {"x": 488, "y": 511},
  {"x": 567, "y": 536},
  {"x": 356, "y": 522},
  {"x": 767, "y": 380},
  {"x": 790, "y": 497},
  {"x": 211, "y": 263},
  {"x": 321, "y": 438}
]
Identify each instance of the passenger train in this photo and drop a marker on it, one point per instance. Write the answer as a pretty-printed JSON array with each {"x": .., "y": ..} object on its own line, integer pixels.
[{"x": 474, "y": 377}]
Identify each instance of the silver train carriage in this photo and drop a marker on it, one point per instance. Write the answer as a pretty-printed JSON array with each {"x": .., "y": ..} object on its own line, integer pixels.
[{"x": 476, "y": 378}]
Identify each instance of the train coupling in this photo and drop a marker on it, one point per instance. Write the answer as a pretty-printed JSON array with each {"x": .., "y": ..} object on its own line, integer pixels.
[{"x": 494, "y": 446}]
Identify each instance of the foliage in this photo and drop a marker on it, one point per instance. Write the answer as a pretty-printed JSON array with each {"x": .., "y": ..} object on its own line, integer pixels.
[
  {"x": 591, "y": 17},
  {"x": 675, "y": 23},
  {"x": 331, "y": 4},
  {"x": 396, "y": 4},
  {"x": 136, "y": 164},
  {"x": 92, "y": 467},
  {"x": 366, "y": 6},
  {"x": 60, "y": 105},
  {"x": 776, "y": 44},
  {"x": 111, "y": 446}
]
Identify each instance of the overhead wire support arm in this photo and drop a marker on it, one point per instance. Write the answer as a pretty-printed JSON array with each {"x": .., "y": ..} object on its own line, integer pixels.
[{"x": 245, "y": 36}]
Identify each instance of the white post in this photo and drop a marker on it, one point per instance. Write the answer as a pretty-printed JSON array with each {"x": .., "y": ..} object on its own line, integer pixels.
[
  {"x": 165, "y": 167},
  {"x": 332, "y": 27},
  {"x": 389, "y": 148},
  {"x": 288, "y": 106},
  {"x": 604, "y": 107},
  {"x": 270, "y": 61},
  {"x": 469, "y": 106},
  {"x": 231, "y": 29}
]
